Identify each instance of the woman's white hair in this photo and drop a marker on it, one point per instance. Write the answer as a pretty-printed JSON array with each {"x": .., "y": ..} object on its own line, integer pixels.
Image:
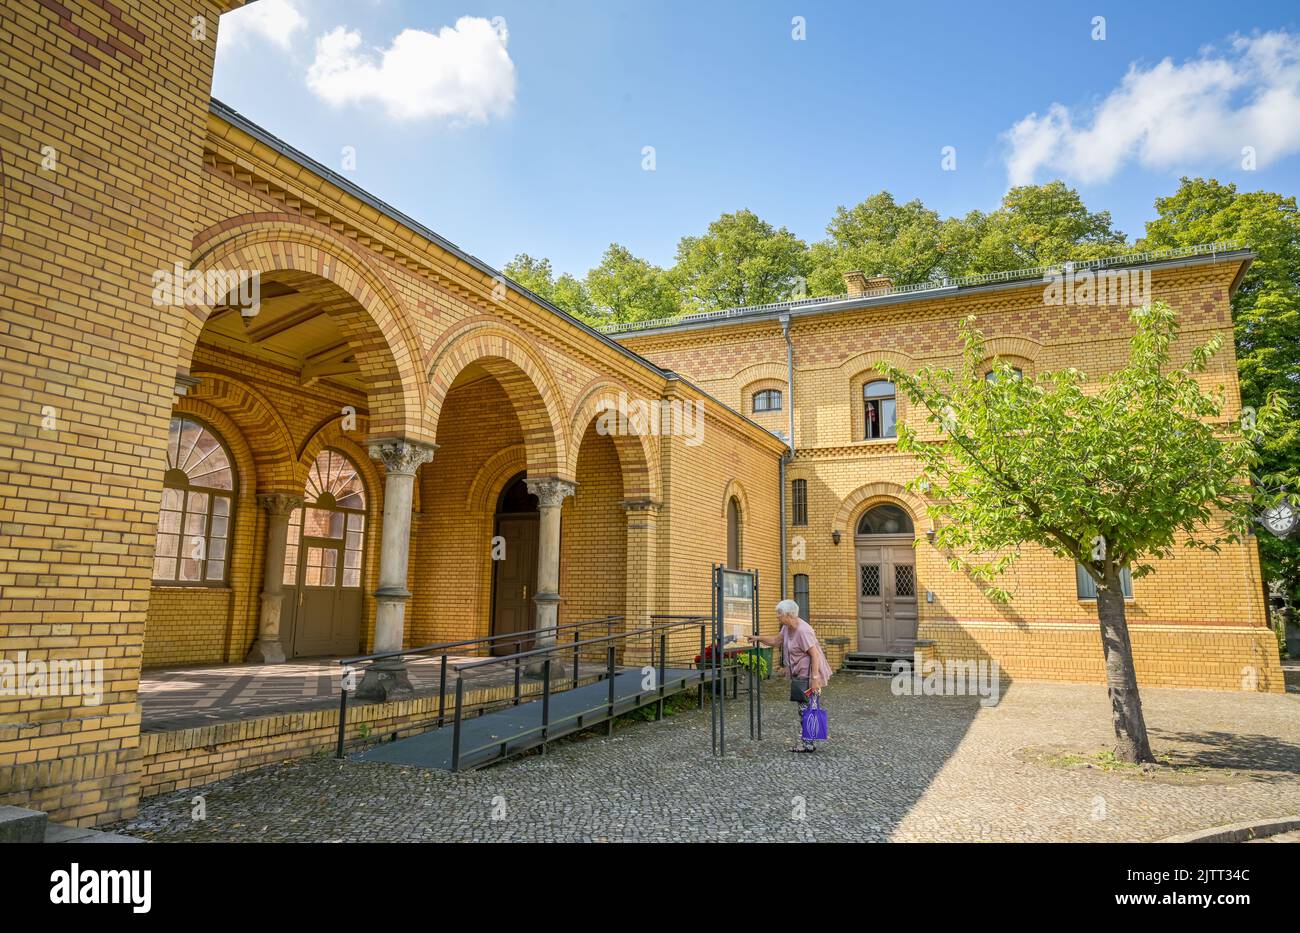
[{"x": 787, "y": 607}]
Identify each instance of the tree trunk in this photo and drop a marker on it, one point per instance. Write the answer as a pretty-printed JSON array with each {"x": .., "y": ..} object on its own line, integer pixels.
[{"x": 1131, "y": 743}]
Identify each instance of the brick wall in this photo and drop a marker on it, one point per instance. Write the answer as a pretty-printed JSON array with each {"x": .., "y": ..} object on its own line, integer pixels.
[
  {"x": 98, "y": 194},
  {"x": 1196, "y": 605}
]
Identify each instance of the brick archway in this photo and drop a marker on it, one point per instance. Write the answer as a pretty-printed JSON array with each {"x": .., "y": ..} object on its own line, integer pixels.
[
  {"x": 637, "y": 453},
  {"x": 269, "y": 438},
  {"x": 523, "y": 376},
  {"x": 871, "y": 494},
  {"x": 383, "y": 339}
]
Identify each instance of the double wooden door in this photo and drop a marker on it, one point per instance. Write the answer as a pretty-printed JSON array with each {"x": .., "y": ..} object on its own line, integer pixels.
[{"x": 886, "y": 586}]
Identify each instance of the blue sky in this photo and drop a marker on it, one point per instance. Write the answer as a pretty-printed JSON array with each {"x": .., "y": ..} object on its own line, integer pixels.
[{"x": 534, "y": 142}]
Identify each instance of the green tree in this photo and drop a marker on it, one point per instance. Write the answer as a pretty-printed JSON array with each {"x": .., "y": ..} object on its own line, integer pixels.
[
  {"x": 1265, "y": 311},
  {"x": 879, "y": 236},
  {"x": 1109, "y": 476},
  {"x": 1039, "y": 225},
  {"x": 742, "y": 260},
  {"x": 626, "y": 288},
  {"x": 533, "y": 274},
  {"x": 566, "y": 292}
]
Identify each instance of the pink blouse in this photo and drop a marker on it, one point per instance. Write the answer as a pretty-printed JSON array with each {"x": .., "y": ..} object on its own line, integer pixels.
[{"x": 797, "y": 647}]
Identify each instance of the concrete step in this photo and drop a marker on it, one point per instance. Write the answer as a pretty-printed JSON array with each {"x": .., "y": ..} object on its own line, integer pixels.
[
  {"x": 56, "y": 833},
  {"x": 875, "y": 665},
  {"x": 20, "y": 825}
]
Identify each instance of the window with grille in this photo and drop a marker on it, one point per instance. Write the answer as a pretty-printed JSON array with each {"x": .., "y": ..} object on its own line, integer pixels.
[
  {"x": 799, "y": 502},
  {"x": 904, "y": 580},
  {"x": 191, "y": 547},
  {"x": 869, "y": 580},
  {"x": 767, "y": 400}
]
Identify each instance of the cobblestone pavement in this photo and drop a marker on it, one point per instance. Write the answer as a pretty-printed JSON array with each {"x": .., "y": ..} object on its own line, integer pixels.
[{"x": 897, "y": 768}]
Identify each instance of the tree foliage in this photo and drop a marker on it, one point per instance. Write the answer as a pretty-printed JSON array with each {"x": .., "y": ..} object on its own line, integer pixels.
[
  {"x": 741, "y": 260},
  {"x": 625, "y": 288},
  {"x": 1054, "y": 461},
  {"x": 1266, "y": 313},
  {"x": 1110, "y": 475}
]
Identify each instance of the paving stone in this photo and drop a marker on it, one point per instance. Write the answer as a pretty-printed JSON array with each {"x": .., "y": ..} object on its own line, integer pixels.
[{"x": 897, "y": 768}]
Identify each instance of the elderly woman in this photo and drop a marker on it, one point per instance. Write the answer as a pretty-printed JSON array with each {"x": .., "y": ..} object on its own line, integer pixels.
[{"x": 804, "y": 660}]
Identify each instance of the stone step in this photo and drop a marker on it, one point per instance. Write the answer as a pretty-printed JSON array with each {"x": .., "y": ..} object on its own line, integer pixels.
[{"x": 20, "y": 825}]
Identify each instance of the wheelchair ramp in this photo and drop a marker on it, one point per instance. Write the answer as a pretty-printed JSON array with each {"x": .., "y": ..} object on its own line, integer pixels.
[{"x": 505, "y": 732}]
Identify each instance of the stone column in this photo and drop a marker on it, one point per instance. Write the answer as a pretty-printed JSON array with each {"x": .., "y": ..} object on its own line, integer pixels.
[
  {"x": 401, "y": 458},
  {"x": 640, "y": 569},
  {"x": 268, "y": 649},
  {"x": 550, "y": 495}
]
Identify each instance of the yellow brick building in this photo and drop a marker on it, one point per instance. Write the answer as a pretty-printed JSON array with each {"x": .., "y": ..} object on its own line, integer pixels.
[
  {"x": 248, "y": 412},
  {"x": 1199, "y": 621}
]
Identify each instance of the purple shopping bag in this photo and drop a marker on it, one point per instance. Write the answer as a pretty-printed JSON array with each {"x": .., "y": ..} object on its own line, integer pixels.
[{"x": 815, "y": 727}]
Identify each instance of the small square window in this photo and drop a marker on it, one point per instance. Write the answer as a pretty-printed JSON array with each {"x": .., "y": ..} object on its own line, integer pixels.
[{"x": 1086, "y": 588}]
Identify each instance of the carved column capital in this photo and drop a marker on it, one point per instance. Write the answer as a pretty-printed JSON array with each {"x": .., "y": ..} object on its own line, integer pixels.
[
  {"x": 400, "y": 456},
  {"x": 279, "y": 504},
  {"x": 644, "y": 505},
  {"x": 550, "y": 491}
]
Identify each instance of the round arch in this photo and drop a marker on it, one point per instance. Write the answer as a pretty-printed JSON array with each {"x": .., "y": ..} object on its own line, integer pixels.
[
  {"x": 865, "y": 497},
  {"x": 637, "y": 453},
  {"x": 379, "y": 330},
  {"x": 524, "y": 377},
  {"x": 331, "y": 434},
  {"x": 267, "y": 435}
]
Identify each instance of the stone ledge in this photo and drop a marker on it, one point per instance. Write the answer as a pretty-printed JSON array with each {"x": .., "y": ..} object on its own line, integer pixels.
[
  {"x": 18, "y": 824},
  {"x": 1239, "y": 832}
]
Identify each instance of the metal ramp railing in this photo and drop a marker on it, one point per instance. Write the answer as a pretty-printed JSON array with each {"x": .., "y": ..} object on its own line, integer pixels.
[{"x": 640, "y": 668}]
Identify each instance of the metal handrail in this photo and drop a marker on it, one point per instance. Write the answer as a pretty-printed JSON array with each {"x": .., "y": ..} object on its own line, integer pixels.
[
  {"x": 607, "y": 621},
  {"x": 608, "y": 706},
  {"x": 568, "y": 646},
  {"x": 504, "y": 636}
]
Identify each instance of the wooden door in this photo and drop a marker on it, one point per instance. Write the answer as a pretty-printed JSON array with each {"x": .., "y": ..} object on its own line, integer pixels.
[
  {"x": 315, "y": 631},
  {"x": 902, "y": 597},
  {"x": 886, "y": 585},
  {"x": 873, "y": 635},
  {"x": 515, "y": 582}
]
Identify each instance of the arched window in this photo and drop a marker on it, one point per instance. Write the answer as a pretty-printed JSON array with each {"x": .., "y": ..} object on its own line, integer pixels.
[
  {"x": 192, "y": 544},
  {"x": 327, "y": 536},
  {"x": 881, "y": 409},
  {"x": 885, "y": 519},
  {"x": 767, "y": 400},
  {"x": 733, "y": 534},
  {"x": 992, "y": 374}
]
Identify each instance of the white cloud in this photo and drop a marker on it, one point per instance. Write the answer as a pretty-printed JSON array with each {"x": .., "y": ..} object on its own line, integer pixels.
[
  {"x": 1204, "y": 111},
  {"x": 273, "y": 20},
  {"x": 462, "y": 73}
]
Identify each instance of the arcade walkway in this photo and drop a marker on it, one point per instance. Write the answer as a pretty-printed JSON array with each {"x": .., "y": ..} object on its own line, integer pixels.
[{"x": 186, "y": 697}]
